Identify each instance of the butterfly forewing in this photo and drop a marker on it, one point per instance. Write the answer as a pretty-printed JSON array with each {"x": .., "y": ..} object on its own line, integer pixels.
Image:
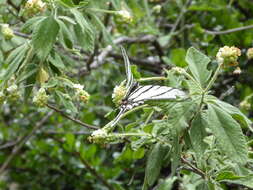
[{"x": 155, "y": 92}]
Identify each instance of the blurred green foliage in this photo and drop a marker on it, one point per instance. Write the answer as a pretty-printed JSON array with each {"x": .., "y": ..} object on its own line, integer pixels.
[{"x": 76, "y": 42}]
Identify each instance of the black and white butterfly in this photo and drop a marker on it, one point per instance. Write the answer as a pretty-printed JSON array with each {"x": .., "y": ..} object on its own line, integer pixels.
[{"x": 137, "y": 95}]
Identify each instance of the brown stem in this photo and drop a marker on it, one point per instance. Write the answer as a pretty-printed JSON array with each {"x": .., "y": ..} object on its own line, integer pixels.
[
  {"x": 71, "y": 118},
  {"x": 194, "y": 168}
]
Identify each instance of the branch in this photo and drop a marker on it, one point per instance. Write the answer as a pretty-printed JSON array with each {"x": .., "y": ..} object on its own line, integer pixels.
[
  {"x": 100, "y": 59},
  {"x": 71, "y": 118},
  {"x": 63, "y": 133},
  {"x": 194, "y": 168},
  {"x": 229, "y": 31},
  {"x": 180, "y": 16},
  {"x": 23, "y": 140}
]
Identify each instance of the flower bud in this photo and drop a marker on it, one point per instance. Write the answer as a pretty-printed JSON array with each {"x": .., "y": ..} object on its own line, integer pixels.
[
  {"x": 41, "y": 98},
  {"x": 43, "y": 76},
  {"x": 250, "y": 53},
  {"x": 125, "y": 15},
  {"x": 33, "y": 7},
  {"x": 7, "y": 32},
  {"x": 228, "y": 55},
  {"x": 118, "y": 94}
]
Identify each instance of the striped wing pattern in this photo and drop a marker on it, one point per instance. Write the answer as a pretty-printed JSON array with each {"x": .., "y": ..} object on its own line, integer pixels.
[{"x": 151, "y": 92}]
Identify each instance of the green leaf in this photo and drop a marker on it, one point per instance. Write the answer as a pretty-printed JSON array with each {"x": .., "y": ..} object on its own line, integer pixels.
[
  {"x": 31, "y": 23},
  {"x": 154, "y": 163},
  {"x": 85, "y": 34},
  {"x": 197, "y": 135},
  {"x": 70, "y": 142},
  {"x": 14, "y": 60},
  {"x": 29, "y": 71},
  {"x": 65, "y": 35},
  {"x": 176, "y": 153},
  {"x": 227, "y": 175},
  {"x": 246, "y": 181},
  {"x": 44, "y": 36},
  {"x": 233, "y": 111},
  {"x": 228, "y": 132},
  {"x": 167, "y": 184},
  {"x": 198, "y": 62},
  {"x": 66, "y": 101},
  {"x": 135, "y": 72},
  {"x": 177, "y": 56},
  {"x": 57, "y": 61}
]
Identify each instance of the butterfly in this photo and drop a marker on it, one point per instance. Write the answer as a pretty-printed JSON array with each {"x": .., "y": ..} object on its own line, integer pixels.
[{"x": 137, "y": 95}]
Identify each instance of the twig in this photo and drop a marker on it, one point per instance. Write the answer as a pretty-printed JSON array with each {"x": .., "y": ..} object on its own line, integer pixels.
[
  {"x": 71, "y": 118},
  {"x": 229, "y": 30},
  {"x": 9, "y": 144},
  {"x": 180, "y": 16},
  {"x": 65, "y": 132},
  {"x": 194, "y": 168},
  {"x": 23, "y": 140},
  {"x": 23, "y": 35}
]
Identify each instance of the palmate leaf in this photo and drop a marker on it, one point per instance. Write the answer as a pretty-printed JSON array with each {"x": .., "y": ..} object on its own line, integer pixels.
[
  {"x": 198, "y": 62},
  {"x": 44, "y": 36},
  {"x": 231, "y": 140}
]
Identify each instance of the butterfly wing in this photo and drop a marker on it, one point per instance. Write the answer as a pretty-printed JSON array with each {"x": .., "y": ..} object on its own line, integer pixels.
[
  {"x": 155, "y": 92},
  {"x": 130, "y": 78}
]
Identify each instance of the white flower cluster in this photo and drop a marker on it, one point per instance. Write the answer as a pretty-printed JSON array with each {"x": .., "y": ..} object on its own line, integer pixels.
[
  {"x": 98, "y": 136},
  {"x": 228, "y": 56},
  {"x": 7, "y": 32},
  {"x": 80, "y": 93},
  {"x": 125, "y": 15},
  {"x": 118, "y": 94},
  {"x": 13, "y": 92},
  {"x": 34, "y": 6},
  {"x": 41, "y": 98}
]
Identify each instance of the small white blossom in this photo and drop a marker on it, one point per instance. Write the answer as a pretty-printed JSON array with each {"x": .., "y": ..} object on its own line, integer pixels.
[
  {"x": 125, "y": 15},
  {"x": 78, "y": 86},
  {"x": 33, "y": 7},
  {"x": 80, "y": 93},
  {"x": 12, "y": 89},
  {"x": 7, "y": 32},
  {"x": 41, "y": 97},
  {"x": 98, "y": 136}
]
